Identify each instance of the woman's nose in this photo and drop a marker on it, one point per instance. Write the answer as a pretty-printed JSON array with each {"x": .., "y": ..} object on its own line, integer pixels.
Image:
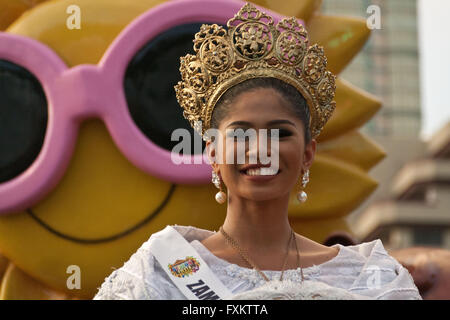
[{"x": 259, "y": 147}]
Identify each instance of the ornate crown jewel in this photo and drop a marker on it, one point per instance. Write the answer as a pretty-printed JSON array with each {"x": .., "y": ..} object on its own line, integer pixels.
[{"x": 253, "y": 48}]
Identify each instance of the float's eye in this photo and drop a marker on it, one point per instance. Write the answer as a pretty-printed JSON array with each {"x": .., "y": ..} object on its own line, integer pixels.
[
  {"x": 23, "y": 119},
  {"x": 149, "y": 85}
]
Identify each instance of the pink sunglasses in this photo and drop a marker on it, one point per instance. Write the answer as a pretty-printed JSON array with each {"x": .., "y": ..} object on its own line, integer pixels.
[{"x": 97, "y": 91}]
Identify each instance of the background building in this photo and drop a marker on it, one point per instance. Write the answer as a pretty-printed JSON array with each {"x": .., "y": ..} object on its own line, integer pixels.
[
  {"x": 418, "y": 210},
  {"x": 389, "y": 67}
]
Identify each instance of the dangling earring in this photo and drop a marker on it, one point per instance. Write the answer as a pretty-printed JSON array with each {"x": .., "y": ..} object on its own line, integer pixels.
[
  {"x": 221, "y": 196},
  {"x": 302, "y": 196}
]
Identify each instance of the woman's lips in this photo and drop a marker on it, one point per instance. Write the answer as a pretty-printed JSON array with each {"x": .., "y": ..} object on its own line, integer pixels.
[{"x": 259, "y": 177}]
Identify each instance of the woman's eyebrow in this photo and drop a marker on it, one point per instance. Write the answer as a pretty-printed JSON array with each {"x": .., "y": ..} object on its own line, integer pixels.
[
  {"x": 281, "y": 122},
  {"x": 242, "y": 123},
  {"x": 272, "y": 122}
]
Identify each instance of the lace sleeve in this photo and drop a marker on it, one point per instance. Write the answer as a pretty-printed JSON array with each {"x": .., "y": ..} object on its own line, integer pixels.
[{"x": 135, "y": 280}]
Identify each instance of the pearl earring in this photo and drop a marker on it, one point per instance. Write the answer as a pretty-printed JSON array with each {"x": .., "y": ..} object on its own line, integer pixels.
[
  {"x": 221, "y": 197},
  {"x": 302, "y": 196}
]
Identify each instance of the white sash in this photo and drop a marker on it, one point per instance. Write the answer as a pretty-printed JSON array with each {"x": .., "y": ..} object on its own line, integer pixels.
[{"x": 186, "y": 268}]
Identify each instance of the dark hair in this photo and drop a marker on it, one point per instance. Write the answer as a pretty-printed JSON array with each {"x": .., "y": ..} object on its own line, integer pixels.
[{"x": 296, "y": 100}]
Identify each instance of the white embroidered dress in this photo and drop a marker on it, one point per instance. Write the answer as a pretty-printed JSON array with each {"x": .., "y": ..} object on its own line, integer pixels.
[{"x": 363, "y": 271}]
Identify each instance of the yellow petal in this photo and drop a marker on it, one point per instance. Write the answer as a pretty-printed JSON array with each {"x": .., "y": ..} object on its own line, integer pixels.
[
  {"x": 300, "y": 9},
  {"x": 102, "y": 21},
  {"x": 3, "y": 265},
  {"x": 10, "y": 10},
  {"x": 334, "y": 190},
  {"x": 341, "y": 37},
  {"x": 353, "y": 147},
  {"x": 354, "y": 107}
]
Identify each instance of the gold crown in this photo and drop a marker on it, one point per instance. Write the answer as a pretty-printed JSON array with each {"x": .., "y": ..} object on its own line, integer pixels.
[{"x": 253, "y": 48}]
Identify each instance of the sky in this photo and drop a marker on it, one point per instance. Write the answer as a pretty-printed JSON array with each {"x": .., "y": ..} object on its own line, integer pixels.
[{"x": 434, "y": 56}]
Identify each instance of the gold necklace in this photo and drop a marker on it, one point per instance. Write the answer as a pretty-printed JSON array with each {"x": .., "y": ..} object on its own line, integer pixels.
[{"x": 247, "y": 259}]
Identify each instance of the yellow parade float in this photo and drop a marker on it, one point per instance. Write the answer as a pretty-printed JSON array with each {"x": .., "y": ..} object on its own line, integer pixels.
[{"x": 102, "y": 206}]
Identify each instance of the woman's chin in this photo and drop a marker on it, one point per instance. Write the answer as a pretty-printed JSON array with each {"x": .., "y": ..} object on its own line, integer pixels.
[{"x": 262, "y": 195}]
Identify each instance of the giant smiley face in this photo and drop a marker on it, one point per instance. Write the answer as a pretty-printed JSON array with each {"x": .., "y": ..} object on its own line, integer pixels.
[{"x": 96, "y": 180}]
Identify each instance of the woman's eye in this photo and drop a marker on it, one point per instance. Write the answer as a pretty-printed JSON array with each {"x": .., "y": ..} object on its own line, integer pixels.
[
  {"x": 281, "y": 133},
  {"x": 285, "y": 133}
]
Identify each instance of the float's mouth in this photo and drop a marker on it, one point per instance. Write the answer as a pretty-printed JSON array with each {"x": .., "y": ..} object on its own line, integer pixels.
[{"x": 113, "y": 237}]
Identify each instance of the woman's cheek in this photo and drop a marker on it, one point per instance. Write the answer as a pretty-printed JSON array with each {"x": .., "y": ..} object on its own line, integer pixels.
[
  {"x": 223, "y": 152},
  {"x": 290, "y": 155}
]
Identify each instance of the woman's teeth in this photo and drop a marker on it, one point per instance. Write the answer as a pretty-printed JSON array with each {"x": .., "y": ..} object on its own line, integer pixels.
[{"x": 263, "y": 171}]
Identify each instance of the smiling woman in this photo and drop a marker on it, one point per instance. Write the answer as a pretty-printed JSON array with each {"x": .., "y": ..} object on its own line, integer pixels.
[
  {"x": 252, "y": 77},
  {"x": 261, "y": 105}
]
